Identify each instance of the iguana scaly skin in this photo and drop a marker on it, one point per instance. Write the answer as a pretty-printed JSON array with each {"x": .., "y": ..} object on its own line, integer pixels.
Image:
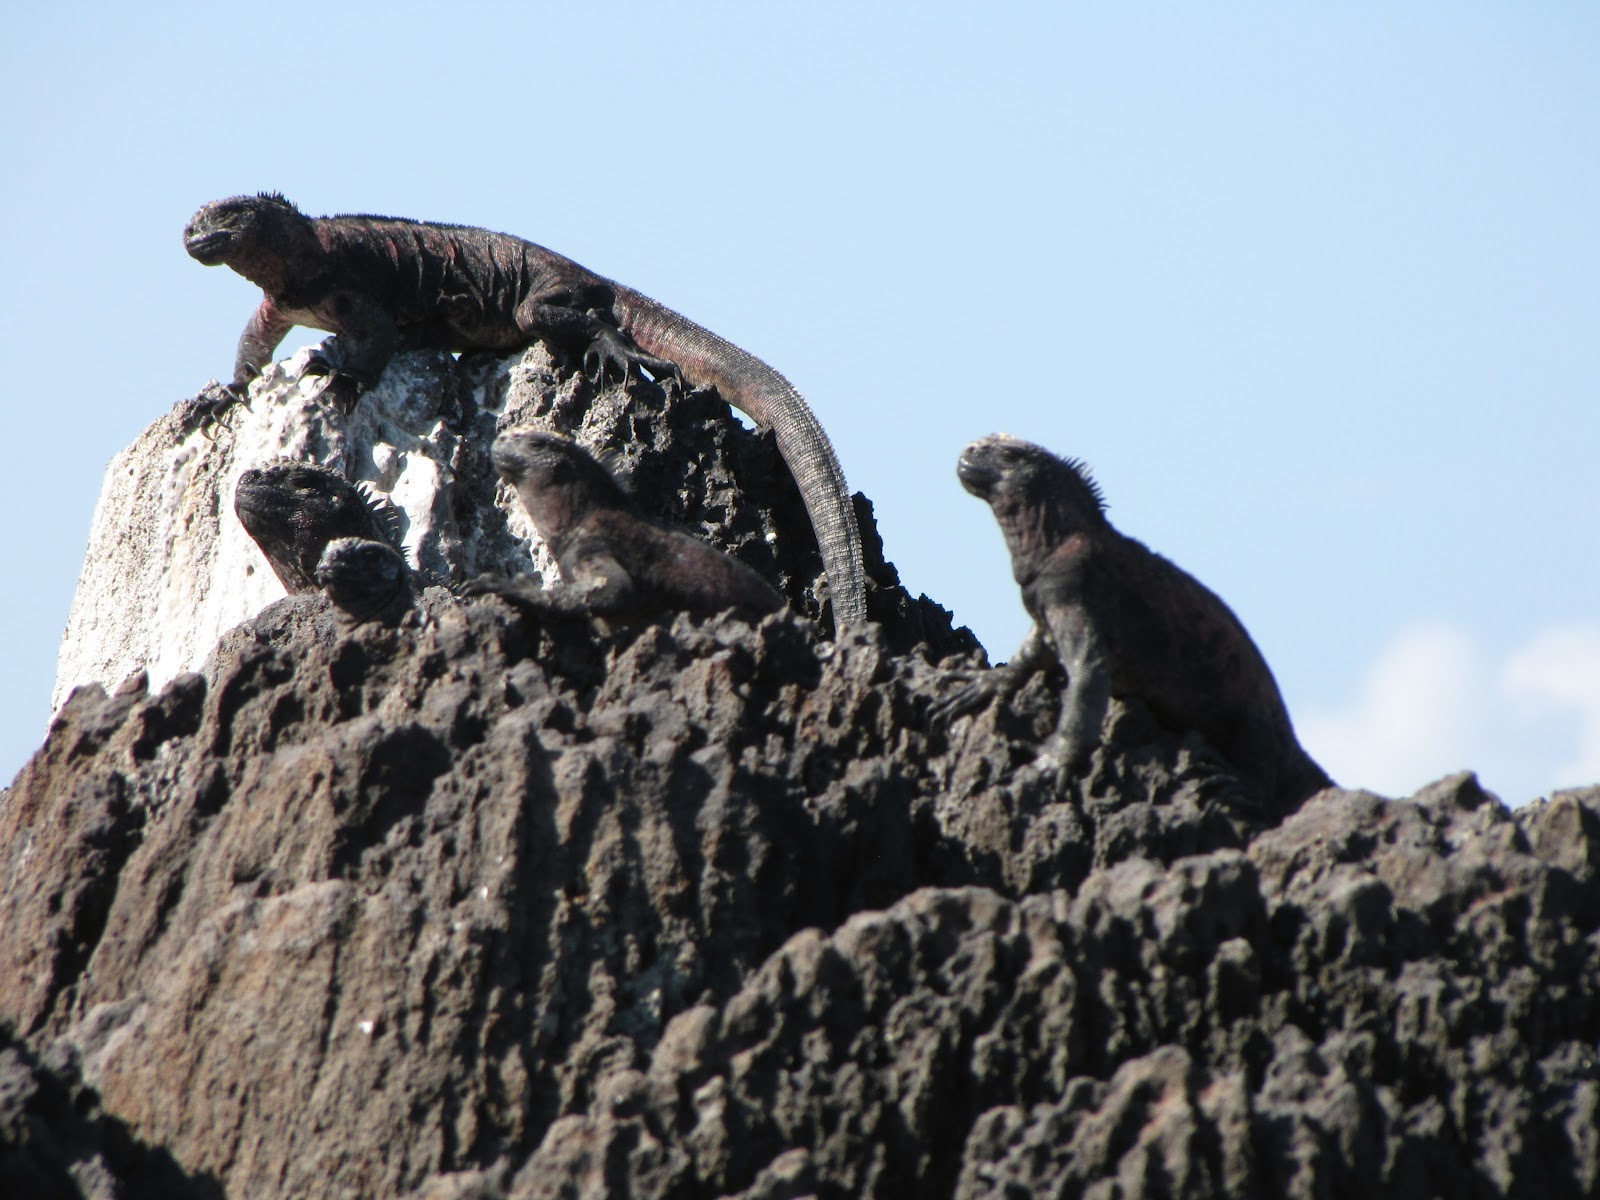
[
  {"x": 613, "y": 561},
  {"x": 384, "y": 282},
  {"x": 1125, "y": 622},
  {"x": 292, "y": 510},
  {"x": 366, "y": 580}
]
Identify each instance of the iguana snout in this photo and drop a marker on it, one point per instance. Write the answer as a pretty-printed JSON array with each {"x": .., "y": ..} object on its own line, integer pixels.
[{"x": 213, "y": 231}]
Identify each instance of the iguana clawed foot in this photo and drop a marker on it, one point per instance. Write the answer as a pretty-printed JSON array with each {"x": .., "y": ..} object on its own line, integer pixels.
[
  {"x": 342, "y": 389},
  {"x": 487, "y": 584},
  {"x": 211, "y": 409},
  {"x": 981, "y": 689},
  {"x": 518, "y": 590},
  {"x": 613, "y": 349},
  {"x": 526, "y": 595},
  {"x": 963, "y": 702},
  {"x": 1059, "y": 760},
  {"x": 1056, "y": 766}
]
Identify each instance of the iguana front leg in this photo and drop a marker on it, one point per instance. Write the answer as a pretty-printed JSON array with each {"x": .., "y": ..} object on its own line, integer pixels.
[
  {"x": 368, "y": 339},
  {"x": 604, "y": 587},
  {"x": 267, "y": 327},
  {"x": 522, "y": 592},
  {"x": 1088, "y": 694},
  {"x": 998, "y": 683}
]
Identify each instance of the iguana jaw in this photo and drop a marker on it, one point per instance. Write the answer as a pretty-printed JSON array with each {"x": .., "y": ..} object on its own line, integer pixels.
[
  {"x": 214, "y": 232},
  {"x": 209, "y": 247},
  {"x": 981, "y": 466}
]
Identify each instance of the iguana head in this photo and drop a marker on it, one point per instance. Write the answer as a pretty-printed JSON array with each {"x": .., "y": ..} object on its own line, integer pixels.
[
  {"x": 1036, "y": 496},
  {"x": 292, "y": 510},
  {"x": 366, "y": 579},
  {"x": 557, "y": 480},
  {"x": 255, "y": 235}
]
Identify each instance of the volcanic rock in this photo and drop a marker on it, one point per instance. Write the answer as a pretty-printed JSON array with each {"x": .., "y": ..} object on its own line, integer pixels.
[{"x": 483, "y": 906}]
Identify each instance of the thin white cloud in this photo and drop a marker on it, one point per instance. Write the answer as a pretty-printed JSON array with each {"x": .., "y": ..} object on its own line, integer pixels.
[
  {"x": 1434, "y": 701},
  {"x": 1418, "y": 714},
  {"x": 1557, "y": 675}
]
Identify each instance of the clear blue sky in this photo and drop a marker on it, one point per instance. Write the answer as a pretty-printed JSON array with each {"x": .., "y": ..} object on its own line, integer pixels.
[{"x": 1317, "y": 294}]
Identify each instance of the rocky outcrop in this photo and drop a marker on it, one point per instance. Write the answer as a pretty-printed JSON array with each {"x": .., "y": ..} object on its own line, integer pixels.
[
  {"x": 478, "y": 906},
  {"x": 1304, "y": 1018},
  {"x": 169, "y": 569}
]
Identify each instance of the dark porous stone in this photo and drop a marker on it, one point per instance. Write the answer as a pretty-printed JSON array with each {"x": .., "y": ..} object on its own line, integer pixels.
[{"x": 474, "y": 906}]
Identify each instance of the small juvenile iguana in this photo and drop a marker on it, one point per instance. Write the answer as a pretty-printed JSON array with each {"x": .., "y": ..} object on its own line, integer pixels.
[
  {"x": 292, "y": 510},
  {"x": 613, "y": 561},
  {"x": 1125, "y": 622},
  {"x": 383, "y": 282},
  {"x": 367, "y": 580}
]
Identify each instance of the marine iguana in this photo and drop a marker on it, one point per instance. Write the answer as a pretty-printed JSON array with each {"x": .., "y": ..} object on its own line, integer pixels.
[
  {"x": 1125, "y": 622},
  {"x": 381, "y": 282},
  {"x": 613, "y": 562},
  {"x": 292, "y": 510},
  {"x": 367, "y": 580}
]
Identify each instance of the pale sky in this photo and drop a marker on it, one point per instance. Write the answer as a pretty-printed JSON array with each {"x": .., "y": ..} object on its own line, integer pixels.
[{"x": 1316, "y": 294}]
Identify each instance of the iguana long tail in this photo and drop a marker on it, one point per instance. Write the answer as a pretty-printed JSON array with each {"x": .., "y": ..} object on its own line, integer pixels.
[{"x": 769, "y": 399}]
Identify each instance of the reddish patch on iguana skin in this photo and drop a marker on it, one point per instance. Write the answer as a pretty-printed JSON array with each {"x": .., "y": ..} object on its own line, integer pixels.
[{"x": 1126, "y": 623}]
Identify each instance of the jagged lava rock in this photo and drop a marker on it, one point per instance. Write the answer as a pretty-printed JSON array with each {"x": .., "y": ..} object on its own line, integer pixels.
[
  {"x": 474, "y": 907},
  {"x": 1306, "y": 1019},
  {"x": 56, "y": 1144},
  {"x": 481, "y": 907}
]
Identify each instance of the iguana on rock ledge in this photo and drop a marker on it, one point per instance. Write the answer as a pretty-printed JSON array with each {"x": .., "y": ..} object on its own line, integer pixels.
[
  {"x": 1125, "y": 622},
  {"x": 383, "y": 282},
  {"x": 367, "y": 580},
  {"x": 292, "y": 510},
  {"x": 613, "y": 562}
]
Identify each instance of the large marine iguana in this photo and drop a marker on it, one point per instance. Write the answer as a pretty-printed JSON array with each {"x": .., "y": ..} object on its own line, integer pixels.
[
  {"x": 292, "y": 510},
  {"x": 613, "y": 561},
  {"x": 1126, "y": 623},
  {"x": 382, "y": 282}
]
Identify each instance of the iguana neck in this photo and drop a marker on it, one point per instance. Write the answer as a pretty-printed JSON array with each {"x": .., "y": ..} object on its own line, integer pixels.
[{"x": 295, "y": 263}]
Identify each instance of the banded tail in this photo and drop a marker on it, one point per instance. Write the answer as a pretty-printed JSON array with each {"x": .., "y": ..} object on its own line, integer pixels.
[{"x": 770, "y": 400}]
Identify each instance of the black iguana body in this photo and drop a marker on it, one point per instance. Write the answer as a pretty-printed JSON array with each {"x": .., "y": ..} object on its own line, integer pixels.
[
  {"x": 292, "y": 510},
  {"x": 613, "y": 562},
  {"x": 1125, "y": 622},
  {"x": 383, "y": 282}
]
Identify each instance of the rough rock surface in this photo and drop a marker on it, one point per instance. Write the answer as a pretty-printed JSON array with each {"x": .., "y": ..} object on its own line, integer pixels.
[
  {"x": 479, "y": 907},
  {"x": 56, "y": 1144},
  {"x": 169, "y": 569}
]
